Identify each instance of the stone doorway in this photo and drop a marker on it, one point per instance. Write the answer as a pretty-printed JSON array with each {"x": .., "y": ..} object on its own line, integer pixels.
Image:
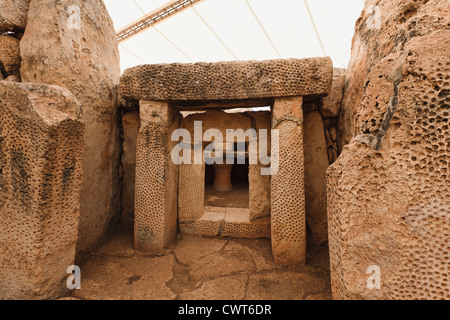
[{"x": 169, "y": 195}]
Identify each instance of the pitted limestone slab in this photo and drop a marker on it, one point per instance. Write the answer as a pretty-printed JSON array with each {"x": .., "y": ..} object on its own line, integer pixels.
[
  {"x": 40, "y": 175},
  {"x": 231, "y": 80},
  {"x": 209, "y": 224},
  {"x": 248, "y": 230},
  {"x": 156, "y": 188},
  {"x": 288, "y": 229}
]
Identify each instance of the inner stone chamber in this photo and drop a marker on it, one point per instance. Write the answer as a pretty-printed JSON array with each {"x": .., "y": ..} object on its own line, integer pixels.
[{"x": 225, "y": 199}]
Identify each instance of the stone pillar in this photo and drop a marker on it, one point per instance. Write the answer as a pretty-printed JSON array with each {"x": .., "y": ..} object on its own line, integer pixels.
[
  {"x": 155, "y": 222},
  {"x": 191, "y": 186},
  {"x": 288, "y": 192},
  {"x": 316, "y": 164},
  {"x": 41, "y": 143},
  {"x": 222, "y": 177}
]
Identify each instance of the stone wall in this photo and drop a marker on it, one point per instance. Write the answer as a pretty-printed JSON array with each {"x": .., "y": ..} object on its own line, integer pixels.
[{"x": 388, "y": 192}]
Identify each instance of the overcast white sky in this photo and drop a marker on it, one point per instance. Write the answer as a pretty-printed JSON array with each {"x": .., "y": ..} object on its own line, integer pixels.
[{"x": 286, "y": 21}]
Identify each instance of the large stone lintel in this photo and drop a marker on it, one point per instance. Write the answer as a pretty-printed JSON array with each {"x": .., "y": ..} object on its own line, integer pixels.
[{"x": 234, "y": 80}]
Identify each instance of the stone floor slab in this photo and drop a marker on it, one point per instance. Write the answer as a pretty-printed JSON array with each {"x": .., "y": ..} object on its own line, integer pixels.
[{"x": 201, "y": 268}]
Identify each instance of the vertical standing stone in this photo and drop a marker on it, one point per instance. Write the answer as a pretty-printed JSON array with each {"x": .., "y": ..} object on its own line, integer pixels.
[
  {"x": 259, "y": 185},
  {"x": 41, "y": 134},
  {"x": 259, "y": 193},
  {"x": 155, "y": 224},
  {"x": 191, "y": 195},
  {"x": 288, "y": 194},
  {"x": 222, "y": 177},
  {"x": 316, "y": 164},
  {"x": 130, "y": 122}
]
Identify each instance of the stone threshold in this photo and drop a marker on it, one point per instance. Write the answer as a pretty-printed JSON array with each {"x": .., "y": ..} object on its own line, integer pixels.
[{"x": 227, "y": 222}]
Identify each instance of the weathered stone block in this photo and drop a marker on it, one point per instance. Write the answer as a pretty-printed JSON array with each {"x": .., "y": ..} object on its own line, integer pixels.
[
  {"x": 399, "y": 21},
  {"x": 259, "y": 193},
  {"x": 288, "y": 186},
  {"x": 78, "y": 50},
  {"x": 388, "y": 192},
  {"x": 191, "y": 192},
  {"x": 130, "y": 122},
  {"x": 155, "y": 224},
  {"x": 331, "y": 104},
  {"x": 40, "y": 178}
]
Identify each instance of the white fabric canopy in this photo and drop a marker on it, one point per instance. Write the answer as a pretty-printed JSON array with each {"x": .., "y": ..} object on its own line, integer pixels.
[{"x": 222, "y": 30}]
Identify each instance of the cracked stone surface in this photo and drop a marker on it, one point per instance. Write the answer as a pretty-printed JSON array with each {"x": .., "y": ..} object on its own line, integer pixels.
[
  {"x": 219, "y": 289},
  {"x": 201, "y": 268},
  {"x": 192, "y": 249},
  {"x": 121, "y": 245},
  {"x": 232, "y": 260},
  {"x": 284, "y": 286},
  {"x": 118, "y": 278}
]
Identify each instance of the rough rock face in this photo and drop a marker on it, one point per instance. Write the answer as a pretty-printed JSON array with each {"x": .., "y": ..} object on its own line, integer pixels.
[
  {"x": 40, "y": 178},
  {"x": 399, "y": 21},
  {"x": 13, "y": 14},
  {"x": 316, "y": 164},
  {"x": 388, "y": 192},
  {"x": 73, "y": 44},
  {"x": 9, "y": 56}
]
